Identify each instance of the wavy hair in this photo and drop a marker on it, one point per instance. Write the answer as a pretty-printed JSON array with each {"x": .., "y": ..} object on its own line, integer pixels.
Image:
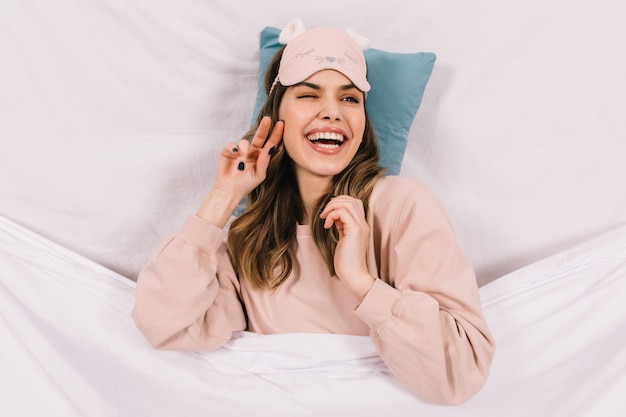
[{"x": 260, "y": 238}]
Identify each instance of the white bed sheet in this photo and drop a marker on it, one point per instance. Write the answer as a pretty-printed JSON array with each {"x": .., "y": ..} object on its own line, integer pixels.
[{"x": 69, "y": 347}]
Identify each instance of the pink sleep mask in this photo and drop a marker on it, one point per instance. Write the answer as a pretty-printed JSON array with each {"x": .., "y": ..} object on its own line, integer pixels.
[{"x": 310, "y": 51}]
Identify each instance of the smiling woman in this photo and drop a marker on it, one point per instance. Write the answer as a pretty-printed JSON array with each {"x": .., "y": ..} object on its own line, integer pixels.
[{"x": 325, "y": 243}]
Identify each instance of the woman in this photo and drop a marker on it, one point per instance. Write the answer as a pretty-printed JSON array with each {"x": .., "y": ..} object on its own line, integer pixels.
[{"x": 326, "y": 243}]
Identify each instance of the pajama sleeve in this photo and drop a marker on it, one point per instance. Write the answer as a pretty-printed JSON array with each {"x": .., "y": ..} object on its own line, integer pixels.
[
  {"x": 424, "y": 313},
  {"x": 187, "y": 296}
]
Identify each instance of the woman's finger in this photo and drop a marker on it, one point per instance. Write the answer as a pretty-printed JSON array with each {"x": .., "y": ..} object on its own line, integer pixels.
[
  {"x": 230, "y": 150},
  {"x": 263, "y": 160},
  {"x": 277, "y": 134},
  {"x": 352, "y": 205},
  {"x": 333, "y": 217},
  {"x": 261, "y": 133},
  {"x": 341, "y": 214}
]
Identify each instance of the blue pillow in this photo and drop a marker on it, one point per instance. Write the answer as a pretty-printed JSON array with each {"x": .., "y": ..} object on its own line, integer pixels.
[{"x": 397, "y": 84}]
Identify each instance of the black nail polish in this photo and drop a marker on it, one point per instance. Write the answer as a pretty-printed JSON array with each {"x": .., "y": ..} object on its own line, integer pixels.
[
  {"x": 272, "y": 149},
  {"x": 241, "y": 166}
]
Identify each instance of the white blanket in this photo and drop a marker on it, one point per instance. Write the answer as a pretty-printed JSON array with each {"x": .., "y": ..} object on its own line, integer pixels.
[{"x": 70, "y": 348}]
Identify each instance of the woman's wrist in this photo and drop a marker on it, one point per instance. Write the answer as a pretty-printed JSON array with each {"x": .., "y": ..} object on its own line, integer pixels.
[
  {"x": 361, "y": 286},
  {"x": 218, "y": 206}
]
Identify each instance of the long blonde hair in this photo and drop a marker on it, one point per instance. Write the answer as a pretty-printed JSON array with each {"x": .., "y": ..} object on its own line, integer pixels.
[{"x": 260, "y": 238}]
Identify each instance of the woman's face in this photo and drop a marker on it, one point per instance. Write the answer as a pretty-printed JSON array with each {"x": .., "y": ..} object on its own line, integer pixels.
[{"x": 324, "y": 124}]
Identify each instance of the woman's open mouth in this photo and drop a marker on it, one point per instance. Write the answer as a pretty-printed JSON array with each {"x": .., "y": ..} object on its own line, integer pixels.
[{"x": 326, "y": 140}]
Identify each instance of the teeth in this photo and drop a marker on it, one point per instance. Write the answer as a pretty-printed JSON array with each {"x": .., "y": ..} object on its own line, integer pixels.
[
  {"x": 327, "y": 145},
  {"x": 326, "y": 136}
]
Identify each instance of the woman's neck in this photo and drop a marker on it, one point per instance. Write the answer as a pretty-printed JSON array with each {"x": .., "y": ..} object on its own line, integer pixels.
[{"x": 312, "y": 188}]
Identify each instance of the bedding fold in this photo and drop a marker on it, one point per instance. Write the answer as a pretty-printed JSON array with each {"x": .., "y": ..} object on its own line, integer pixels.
[{"x": 68, "y": 340}]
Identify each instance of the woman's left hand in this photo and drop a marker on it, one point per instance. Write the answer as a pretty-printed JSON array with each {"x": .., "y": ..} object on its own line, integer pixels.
[{"x": 348, "y": 216}]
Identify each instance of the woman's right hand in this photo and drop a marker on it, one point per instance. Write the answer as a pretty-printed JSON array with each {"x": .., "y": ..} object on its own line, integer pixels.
[{"x": 241, "y": 168}]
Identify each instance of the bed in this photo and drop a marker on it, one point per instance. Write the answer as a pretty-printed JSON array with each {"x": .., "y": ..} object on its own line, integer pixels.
[
  {"x": 70, "y": 347},
  {"x": 111, "y": 119}
]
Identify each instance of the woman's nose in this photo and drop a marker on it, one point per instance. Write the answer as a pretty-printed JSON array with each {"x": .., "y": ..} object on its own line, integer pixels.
[{"x": 330, "y": 110}]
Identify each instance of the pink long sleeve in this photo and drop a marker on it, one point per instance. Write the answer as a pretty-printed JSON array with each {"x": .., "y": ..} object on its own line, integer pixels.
[
  {"x": 425, "y": 314},
  {"x": 187, "y": 296}
]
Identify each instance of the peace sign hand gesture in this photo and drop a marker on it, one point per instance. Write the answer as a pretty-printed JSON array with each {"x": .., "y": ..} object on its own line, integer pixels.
[{"x": 241, "y": 168}]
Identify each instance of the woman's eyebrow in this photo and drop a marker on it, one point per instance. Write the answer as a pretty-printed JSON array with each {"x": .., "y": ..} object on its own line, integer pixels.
[
  {"x": 307, "y": 84},
  {"x": 348, "y": 86},
  {"x": 318, "y": 87}
]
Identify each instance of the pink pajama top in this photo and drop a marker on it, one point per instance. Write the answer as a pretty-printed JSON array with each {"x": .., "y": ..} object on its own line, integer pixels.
[{"x": 423, "y": 312}]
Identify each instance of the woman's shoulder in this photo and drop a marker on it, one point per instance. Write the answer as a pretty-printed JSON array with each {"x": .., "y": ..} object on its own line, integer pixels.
[
  {"x": 395, "y": 187},
  {"x": 393, "y": 195},
  {"x": 400, "y": 203}
]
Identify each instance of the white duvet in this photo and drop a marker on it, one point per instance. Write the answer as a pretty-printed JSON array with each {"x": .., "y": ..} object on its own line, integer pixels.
[{"x": 70, "y": 348}]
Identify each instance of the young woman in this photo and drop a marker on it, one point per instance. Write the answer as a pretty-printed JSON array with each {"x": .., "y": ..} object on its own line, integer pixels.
[{"x": 326, "y": 242}]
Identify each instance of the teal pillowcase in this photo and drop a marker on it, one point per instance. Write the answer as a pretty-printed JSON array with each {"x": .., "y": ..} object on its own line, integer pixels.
[{"x": 397, "y": 80}]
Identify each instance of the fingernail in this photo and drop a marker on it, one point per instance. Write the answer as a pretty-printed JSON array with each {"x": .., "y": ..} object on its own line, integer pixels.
[
  {"x": 272, "y": 149},
  {"x": 241, "y": 166}
]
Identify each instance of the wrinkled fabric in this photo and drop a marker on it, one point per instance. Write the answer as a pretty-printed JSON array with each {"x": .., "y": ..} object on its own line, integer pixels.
[{"x": 70, "y": 348}]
